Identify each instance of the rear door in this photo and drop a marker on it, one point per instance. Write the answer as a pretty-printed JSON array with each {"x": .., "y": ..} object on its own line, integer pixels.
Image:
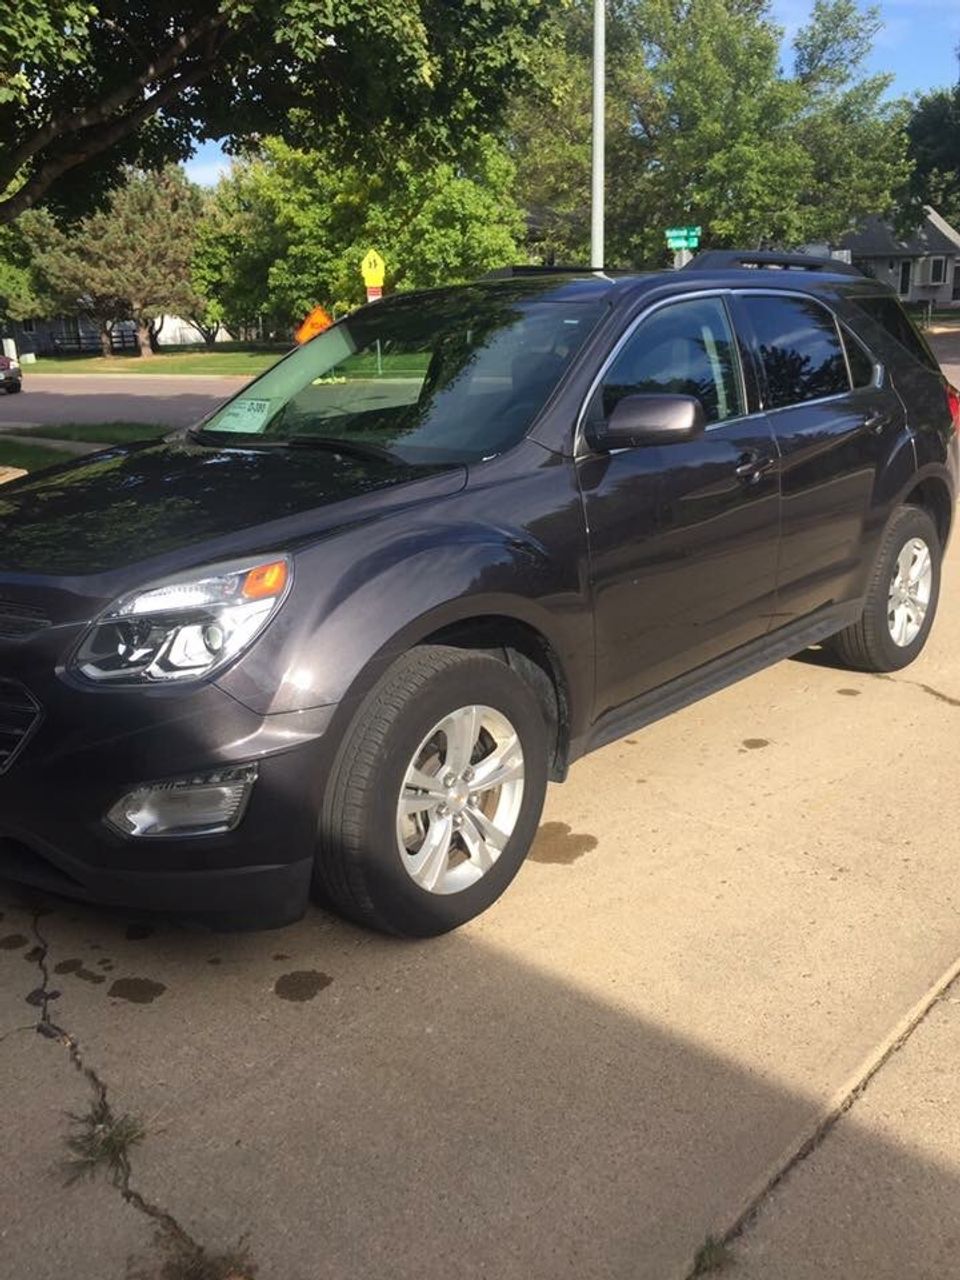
[
  {"x": 683, "y": 536},
  {"x": 836, "y": 418}
]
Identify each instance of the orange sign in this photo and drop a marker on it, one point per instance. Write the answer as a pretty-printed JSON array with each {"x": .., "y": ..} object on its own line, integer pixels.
[{"x": 315, "y": 323}]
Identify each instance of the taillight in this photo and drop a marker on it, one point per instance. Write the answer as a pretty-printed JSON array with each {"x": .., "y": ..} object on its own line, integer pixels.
[{"x": 953, "y": 404}]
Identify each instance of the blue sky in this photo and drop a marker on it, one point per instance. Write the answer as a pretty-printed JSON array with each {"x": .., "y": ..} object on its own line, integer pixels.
[{"x": 916, "y": 44}]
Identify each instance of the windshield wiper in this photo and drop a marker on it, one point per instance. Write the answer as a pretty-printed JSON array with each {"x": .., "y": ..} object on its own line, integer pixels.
[
  {"x": 333, "y": 444},
  {"x": 358, "y": 448}
]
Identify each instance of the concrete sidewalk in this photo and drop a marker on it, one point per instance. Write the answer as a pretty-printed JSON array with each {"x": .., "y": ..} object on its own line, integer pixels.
[{"x": 880, "y": 1196}]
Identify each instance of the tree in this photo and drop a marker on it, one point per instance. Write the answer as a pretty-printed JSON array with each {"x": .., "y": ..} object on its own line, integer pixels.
[
  {"x": 136, "y": 82},
  {"x": 128, "y": 261},
  {"x": 856, "y": 141},
  {"x": 20, "y": 297},
  {"x": 288, "y": 230},
  {"x": 934, "y": 130},
  {"x": 705, "y": 128}
]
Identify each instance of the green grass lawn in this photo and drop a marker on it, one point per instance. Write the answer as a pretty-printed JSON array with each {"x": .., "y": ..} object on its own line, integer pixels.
[
  {"x": 31, "y": 457},
  {"x": 241, "y": 363},
  {"x": 100, "y": 432}
]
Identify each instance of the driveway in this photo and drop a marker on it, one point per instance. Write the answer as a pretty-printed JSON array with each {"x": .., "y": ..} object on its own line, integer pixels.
[
  {"x": 722, "y": 921},
  {"x": 171, "y": 400}
]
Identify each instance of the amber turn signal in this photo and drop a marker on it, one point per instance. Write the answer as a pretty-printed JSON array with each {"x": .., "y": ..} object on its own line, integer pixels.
[{"x": 266, "y": 580}]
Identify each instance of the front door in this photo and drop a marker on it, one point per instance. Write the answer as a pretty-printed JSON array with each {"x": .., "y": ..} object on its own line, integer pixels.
[{"x": 684, "y": 536}]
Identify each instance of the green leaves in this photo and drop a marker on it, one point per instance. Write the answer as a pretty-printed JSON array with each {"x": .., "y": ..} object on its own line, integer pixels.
[
  {"x": 135, "y": 84},
  {"x": 288, "y": 230},
  {"x": 934, "y": 130}
]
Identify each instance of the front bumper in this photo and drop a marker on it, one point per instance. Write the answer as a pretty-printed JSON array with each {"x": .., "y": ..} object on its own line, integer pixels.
[{"x": 89, "y": 746}]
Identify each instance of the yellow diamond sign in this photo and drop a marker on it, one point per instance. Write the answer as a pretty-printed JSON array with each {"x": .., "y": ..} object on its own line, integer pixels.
[{"x": 374, "y": 269}]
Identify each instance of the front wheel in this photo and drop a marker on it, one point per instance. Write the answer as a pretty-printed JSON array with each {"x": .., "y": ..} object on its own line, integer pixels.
[
  {"x": 901, "y": 600},
  {"x": 436, "y": 794},
  {"x": 13, "y": 388}
]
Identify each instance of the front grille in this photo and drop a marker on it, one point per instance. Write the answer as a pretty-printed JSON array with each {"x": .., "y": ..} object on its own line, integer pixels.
[
  {"x": 19, "y": 715},
  {"x": 19, "y": 620}
]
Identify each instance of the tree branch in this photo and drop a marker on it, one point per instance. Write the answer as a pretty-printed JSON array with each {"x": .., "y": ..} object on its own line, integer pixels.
[
  {"x": 113, "y": 102},
  {"x": 40, "y": 182}
]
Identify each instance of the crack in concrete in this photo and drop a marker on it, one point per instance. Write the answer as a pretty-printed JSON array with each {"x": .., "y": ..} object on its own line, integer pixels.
[
  {"x": 927, "y": 688},
  {"x": 193, "y": 1256}
]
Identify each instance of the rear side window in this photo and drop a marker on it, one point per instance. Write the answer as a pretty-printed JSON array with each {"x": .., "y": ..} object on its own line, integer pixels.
[
  {"x": 888, "y": 313},
  {"x": 799, "y": 347},
  {"x": 860, "y": 361},
  {"x": 685, "y": 348}
]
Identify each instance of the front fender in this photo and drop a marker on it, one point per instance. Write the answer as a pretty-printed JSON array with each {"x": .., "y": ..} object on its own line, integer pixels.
[{"x": 370, "y": 593}]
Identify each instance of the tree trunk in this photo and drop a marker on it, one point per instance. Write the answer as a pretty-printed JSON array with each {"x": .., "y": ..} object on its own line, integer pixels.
[
  {"x": 106, "y": 346},
  {"x": 155, "y": 334},
  {"x": 143, "y": 338}
]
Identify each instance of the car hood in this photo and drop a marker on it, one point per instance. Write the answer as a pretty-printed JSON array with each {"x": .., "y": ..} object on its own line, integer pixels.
[{"x": 184, "y": 503}]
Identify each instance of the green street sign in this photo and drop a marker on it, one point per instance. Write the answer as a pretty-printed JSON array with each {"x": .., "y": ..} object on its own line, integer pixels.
[{"x": 682, "y": 237}]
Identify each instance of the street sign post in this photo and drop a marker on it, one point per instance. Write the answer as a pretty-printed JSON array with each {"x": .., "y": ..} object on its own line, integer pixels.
[{"x": 373, "y": 269}]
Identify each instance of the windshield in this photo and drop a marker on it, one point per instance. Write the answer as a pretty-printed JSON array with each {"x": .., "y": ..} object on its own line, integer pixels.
[{"x": 450, "y": 377}]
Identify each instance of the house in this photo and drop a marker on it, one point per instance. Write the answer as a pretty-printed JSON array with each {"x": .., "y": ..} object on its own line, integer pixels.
[
  {"x": 923, "y": 268},
  {"x": 71, "y": 335}
]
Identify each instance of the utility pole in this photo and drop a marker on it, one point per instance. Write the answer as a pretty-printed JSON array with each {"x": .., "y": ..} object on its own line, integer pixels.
[{"x": 599, "y": 120}]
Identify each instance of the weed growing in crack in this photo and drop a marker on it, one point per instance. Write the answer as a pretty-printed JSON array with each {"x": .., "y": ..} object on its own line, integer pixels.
[
  {"x": 101, "y": 1141},
  {"x": 183, "y": 1264},
  {"x": 713, "y": 1255}
]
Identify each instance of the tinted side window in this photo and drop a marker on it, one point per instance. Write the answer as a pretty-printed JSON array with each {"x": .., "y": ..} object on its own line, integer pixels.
[
  {"x": 685, "y": 349},
  {"x": 860, "y": 361},
  {"x": 887, "y": 311},
  {"x": 799, "y": 349}
]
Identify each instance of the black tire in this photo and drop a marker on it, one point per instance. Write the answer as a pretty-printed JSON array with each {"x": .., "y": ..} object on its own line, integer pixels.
[
  {"x": 359, "y": 867},
  {"x": 14, "y": 388},
  {"x": 867, "y": 644}
]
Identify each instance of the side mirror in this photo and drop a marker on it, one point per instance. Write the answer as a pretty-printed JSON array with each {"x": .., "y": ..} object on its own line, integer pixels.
[{"x": 650, "y": 419}]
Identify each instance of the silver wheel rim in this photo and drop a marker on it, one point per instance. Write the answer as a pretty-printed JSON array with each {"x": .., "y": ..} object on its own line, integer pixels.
[
  {"x": 460, "y": 799},
  {"x": 910, "y": 588}
]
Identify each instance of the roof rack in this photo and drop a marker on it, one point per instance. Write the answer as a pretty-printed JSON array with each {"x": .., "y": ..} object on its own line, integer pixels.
[
  {"x": 724, "y": 259},
  {"x": 512, "y": 273}
]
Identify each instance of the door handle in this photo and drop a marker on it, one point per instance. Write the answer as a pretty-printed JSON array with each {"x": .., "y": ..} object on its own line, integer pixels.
[
  {"x": 875, "y": 421},
  {"x": 753, "y": 467}
]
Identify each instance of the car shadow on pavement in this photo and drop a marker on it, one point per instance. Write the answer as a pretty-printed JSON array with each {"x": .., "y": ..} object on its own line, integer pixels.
[{"x": 361, "y": 1107}]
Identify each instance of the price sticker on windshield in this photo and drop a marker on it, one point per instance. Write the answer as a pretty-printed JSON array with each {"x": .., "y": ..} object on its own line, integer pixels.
[{"x": 245, "y": 416}]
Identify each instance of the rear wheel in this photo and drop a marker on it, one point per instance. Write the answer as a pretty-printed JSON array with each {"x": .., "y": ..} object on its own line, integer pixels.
[
  {"x": 901, "y": 600},
  {"x": 436, "y": 794}
]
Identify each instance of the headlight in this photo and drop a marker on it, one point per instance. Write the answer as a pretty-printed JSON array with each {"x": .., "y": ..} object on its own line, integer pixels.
[{"x": 184, "y": 628}]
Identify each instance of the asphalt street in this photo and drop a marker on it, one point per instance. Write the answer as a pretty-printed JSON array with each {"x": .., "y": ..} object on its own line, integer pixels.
[{"x": 170, "y": 400}]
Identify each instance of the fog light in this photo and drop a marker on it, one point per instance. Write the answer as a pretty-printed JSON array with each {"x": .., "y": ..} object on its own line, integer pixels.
[{"x": 203, "y": 805}]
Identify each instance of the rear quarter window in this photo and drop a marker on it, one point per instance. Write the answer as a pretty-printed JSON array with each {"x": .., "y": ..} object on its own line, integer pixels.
[{"x": 888, "y": 313}]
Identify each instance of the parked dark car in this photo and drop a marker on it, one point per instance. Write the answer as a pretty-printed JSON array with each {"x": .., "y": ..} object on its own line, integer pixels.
[
  {"x": 11, "y": 378},
  {"x": 343, "y": 633}
]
